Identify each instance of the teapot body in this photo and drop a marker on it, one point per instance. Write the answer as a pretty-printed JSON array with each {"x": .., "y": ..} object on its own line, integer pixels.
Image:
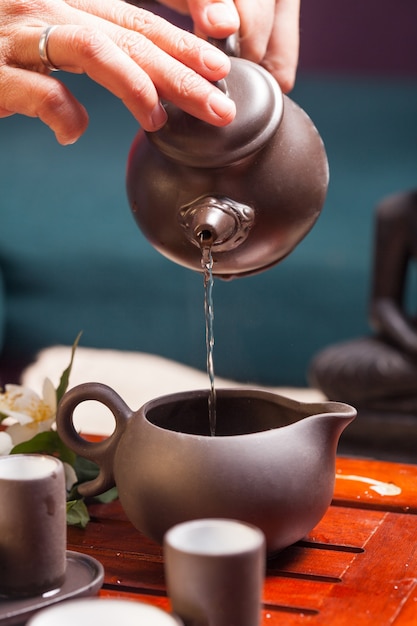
[
  {"x": 277, "y": 177},
  {"x": 271, "y": 463}
]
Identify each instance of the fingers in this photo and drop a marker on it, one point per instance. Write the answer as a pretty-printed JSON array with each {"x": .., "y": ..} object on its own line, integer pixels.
[
  {"x": 281, "y": 58},
  {"x": 270, "y": 36},
  {"x": 167, "y": 55},
  {"x": 81, "y": 49},
  {"x": 133, "y": 53},
  {"x": 141, "y": 62},
  {"x": 37, "y": 95},
  {"x": 185, "y": 47},
  {"x": 255, "y": 28},
  {"x": 214, "y": 18},
  {"x": 138, "y": 72},
  {"x": 269, "y": 30},
  {"x": 170, "y": 63}
]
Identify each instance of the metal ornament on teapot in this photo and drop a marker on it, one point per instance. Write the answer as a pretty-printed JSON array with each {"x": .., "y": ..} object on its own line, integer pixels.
[{"x": 250, "y": 191}]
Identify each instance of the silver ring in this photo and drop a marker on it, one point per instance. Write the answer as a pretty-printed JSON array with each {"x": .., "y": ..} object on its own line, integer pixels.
[{"x": 43, "y": 49}]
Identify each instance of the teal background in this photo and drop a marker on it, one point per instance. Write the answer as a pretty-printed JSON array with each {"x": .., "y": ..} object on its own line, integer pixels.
[{"x": 72, "y": 258}]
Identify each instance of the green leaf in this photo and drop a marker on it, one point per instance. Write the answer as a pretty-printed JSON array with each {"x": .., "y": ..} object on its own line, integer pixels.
[
  {"x": 85, "y": 469},
  {"x": 47, "y": 442},
  {"x": 88, "y": 470},
  {"x": 63, "y": 383},
  {"x": 108, "y": 496},
  {"x": 77, "y": 513}
]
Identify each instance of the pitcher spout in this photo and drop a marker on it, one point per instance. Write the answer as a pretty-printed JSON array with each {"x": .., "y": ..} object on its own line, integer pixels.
[{"x": 328, "y": 421}]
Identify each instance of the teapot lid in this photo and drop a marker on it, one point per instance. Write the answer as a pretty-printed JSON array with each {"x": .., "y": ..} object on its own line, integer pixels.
[{"x": 259, "y": 108}]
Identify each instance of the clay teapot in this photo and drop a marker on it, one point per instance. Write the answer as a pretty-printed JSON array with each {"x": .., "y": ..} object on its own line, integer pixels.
[
  {"x": 251, "y": 190},
  {"x": 271, "y": 463}
]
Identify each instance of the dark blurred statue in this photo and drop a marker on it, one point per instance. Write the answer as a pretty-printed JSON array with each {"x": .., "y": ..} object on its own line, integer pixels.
[{"x": 379, "y": 372}]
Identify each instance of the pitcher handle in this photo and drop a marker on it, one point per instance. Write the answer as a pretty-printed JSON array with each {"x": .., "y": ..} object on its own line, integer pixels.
[{"x": 101, "y": 452}]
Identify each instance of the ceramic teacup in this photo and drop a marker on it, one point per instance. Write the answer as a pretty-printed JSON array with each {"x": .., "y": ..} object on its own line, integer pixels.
[
  {"x": 103, "y": 612},
  {"x": 32, "y": 524},
  {"x": 215, "y": 571}
]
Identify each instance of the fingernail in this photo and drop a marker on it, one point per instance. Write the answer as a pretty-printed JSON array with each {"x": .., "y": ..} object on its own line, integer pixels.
[
  {"x": 222, "y": 106},
  {"x": 214, "y": 59},
  {"x": 221, "y": 14},
  {"x": 66, "y": 141},
  {"x": 158, "y": 116}
]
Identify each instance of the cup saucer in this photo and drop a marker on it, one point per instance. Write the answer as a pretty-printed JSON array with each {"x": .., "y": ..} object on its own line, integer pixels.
[{"x": 84, "y": 577}]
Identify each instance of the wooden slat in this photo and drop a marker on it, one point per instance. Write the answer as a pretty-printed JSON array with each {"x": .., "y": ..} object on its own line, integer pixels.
[
  {"x": 343, "y": 528},
  {"x": 380, "y": 581},
  {"x": 407, "y": 613},
  {"x": 358, "y": 566},
  {"x": 355, "y": 485}
]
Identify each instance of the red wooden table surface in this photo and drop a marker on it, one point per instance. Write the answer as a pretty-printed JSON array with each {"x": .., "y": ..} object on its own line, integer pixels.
[{"x": 357, "y": 566}]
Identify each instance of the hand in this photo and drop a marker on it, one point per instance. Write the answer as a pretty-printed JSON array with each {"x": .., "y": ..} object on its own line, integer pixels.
[
  {"x": 268, "y": 30},
  {"x": 135, "y": 54}
]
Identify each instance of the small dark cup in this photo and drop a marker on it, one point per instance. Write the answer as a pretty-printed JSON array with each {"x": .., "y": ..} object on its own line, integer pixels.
[
  {"x": 215, "y": 572},
  {"x": 32, "y": 524}
]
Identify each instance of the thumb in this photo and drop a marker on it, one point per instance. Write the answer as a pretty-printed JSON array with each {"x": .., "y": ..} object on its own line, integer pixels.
[{"x": 214, "y": 18}]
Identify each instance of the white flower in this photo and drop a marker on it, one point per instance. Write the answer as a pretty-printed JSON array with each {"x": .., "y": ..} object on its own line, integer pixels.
[
  {"x": 70, "y": 476},
  {"x": 29, "y": 413}
]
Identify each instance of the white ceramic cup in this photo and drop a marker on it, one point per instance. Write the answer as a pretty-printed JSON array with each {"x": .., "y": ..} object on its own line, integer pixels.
[
  {"x": 215, "y": 570},
  {"x": 103, "y": 612},
  {"x": 32, "y": 524}
]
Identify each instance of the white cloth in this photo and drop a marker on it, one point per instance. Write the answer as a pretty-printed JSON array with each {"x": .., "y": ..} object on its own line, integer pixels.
[{"x": 137, "y": 377}]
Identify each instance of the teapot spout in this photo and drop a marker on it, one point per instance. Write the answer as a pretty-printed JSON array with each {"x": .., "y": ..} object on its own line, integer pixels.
[{"x": 219, "y": 222}]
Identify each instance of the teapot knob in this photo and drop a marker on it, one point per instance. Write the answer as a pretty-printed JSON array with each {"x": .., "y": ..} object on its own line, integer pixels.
[{"x": 230, "y": 45}]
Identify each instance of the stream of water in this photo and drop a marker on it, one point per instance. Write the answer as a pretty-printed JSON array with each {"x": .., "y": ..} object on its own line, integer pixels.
[{"x": 207, "y": 266}]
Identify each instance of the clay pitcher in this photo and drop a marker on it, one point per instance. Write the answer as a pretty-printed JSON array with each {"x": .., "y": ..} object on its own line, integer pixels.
[{"x": 271, "y": 462}]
